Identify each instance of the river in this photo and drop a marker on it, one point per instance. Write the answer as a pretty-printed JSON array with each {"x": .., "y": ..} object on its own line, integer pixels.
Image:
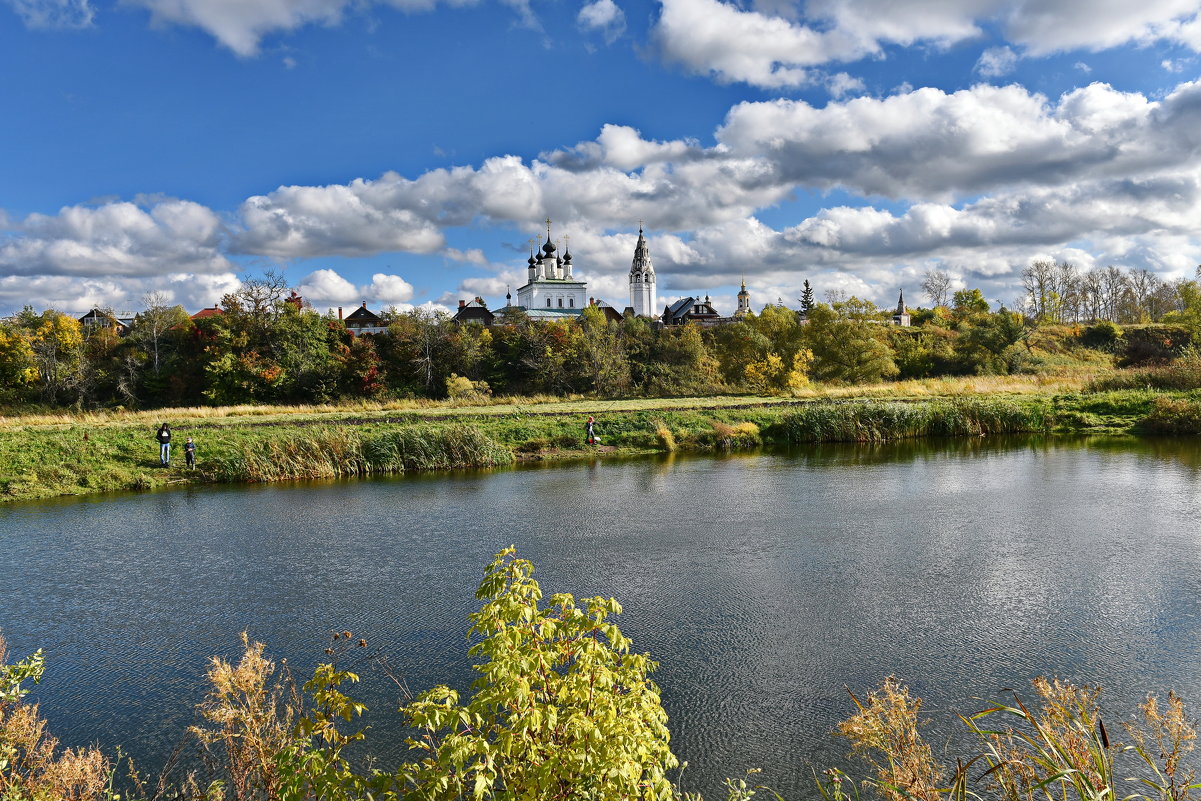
[{"x": 762, "y": 582}]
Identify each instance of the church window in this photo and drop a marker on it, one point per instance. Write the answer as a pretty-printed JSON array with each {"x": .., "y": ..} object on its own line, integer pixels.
[
  {"x": 548, "y": 303},
  {"x": 571, "y": 303},
  {"x": 560, "y": 303}
]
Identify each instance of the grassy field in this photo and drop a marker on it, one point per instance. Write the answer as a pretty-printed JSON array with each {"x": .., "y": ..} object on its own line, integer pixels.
[{"x": 46, "y": 455}]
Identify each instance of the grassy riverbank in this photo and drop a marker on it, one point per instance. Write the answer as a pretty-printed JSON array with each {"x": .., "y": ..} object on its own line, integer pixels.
[{"x": 51, "y": 455}]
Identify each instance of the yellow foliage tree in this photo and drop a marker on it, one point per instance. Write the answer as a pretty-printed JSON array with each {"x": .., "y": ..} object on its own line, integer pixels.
[{"x": 16, "y": 358}]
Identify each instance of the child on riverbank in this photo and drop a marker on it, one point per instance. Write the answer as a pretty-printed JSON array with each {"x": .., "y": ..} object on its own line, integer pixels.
[{"x": 189, "y": 453}]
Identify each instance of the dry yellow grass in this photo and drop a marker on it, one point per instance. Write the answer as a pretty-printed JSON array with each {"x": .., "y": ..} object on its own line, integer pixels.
[{"x": 917, "y": 388}]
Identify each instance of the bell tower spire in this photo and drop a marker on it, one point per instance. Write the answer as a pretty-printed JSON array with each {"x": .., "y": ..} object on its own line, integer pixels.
[{"x": 642, "y": 279}]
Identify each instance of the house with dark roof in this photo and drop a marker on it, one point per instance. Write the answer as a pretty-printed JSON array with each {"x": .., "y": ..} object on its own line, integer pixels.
[
  {"x": 611, "y": 313},
  {"x": 98, "y": 318},
  {"x": 363, "y": 321},
  {"x": 474, "y": 311},
  {"x": 693, "y": 310}
]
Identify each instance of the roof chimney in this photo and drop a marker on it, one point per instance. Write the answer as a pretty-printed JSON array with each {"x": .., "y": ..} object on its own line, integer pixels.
[
  {"x": 339, "y": 312},
  {"x": 462, "y": 303},
  {"x": 364, "y": 304}
]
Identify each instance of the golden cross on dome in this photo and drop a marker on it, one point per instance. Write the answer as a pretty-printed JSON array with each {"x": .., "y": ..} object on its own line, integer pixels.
[{"x": 548, "y": 229}]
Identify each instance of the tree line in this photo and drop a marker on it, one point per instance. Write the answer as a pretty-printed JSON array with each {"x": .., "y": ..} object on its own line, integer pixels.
[
  {"x": 263, "y": 349},
  {"x": 1060, "y": 292}
]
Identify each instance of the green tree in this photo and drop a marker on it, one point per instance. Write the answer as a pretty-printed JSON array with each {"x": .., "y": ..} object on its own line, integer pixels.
[
  {"x": 848, "y": 350},
  {"x": 737, "y": 345},
  {"x": 17, "y": 368},
  {"x": 1189, "y": 315},
  {"x": 968, "y": 302},
  {"x": 986, "y": 343},
  {"x": 807, "y": 302},
  {"x": 150, "y": 347},
  {"x": 56, "y": 341},
  {"x": 562, "y": 708},
  {"x": 681, "y": 363},
  {"x": 602, "y": 355}
]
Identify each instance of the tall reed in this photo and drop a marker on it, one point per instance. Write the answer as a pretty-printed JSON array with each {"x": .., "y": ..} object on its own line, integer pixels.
[
  {"x": 872, "y": 421},
  {"x": 335, "y": 452}
]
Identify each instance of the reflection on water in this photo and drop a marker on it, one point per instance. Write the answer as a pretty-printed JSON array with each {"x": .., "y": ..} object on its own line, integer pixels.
[{"x": 763, "y": 583}]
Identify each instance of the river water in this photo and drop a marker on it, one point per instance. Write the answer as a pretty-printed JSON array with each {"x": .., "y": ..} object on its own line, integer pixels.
[{"x": 764, "y": 583}]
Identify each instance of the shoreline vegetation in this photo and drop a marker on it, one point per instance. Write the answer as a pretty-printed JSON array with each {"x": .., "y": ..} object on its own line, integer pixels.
[
  {"x": 57, "y": 454},
  {"x": 565, "y": 708}
]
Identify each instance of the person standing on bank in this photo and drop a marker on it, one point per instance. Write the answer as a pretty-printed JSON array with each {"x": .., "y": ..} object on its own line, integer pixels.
[
  {"x": 164, "y": 445},
  {"x": 189, "y": 453},
  {"x": 589, "y": 431}
]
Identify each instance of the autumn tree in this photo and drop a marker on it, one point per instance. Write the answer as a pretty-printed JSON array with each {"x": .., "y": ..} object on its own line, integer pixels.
[
  {"x": 936, "y": 284},
  {"x": 848, "y": 348}
]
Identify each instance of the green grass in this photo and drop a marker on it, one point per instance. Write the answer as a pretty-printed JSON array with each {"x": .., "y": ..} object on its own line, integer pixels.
[{"x": 52, "y": 457}]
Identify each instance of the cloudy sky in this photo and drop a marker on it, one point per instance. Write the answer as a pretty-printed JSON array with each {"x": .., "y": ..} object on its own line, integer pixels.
[{"x": 404, "y": 152}]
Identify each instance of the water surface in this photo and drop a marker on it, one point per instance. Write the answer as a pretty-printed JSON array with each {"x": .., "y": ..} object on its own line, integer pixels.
[{"x": 763, "y": 584}]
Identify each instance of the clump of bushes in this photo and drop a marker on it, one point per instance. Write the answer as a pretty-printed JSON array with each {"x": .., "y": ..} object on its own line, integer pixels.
[
  {"x": 1173, "y": 416},
  {"x": 1183, "y": 373},
  {"x": 563, "y": 708},
  {"x": 32, "y": 766},
  {"x": 334, "y": 452},
  {"x": 1103, "y": 335},
  {"x": 463, "y": 390},
  {"x": 735, "y": 436},
  {"x": 873, "y": 421},
  {"x": 665, "y": 438},
  {"x": 1056, "y": 748}
]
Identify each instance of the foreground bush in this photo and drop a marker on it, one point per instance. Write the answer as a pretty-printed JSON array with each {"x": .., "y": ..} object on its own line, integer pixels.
[
  {"x": 32, "y": 766},
  {"x": 562, "y": 710},
  {"x": 1057, "y": 749}
]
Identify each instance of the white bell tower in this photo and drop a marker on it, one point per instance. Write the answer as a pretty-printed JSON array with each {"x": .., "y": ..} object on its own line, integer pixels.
[{"x": 643, "y": 297}]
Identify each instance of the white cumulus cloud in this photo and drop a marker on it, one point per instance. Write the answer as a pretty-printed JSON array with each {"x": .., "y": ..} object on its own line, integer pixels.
[
  {"x": 996, "y": 61},
  {"x": 52, "y": 14},
  {"x": 116, "y": 239},
  {"x": 326, "y": 287},
  {"x": 604, "y": 17},
  {"x": 775, "y": 44}
]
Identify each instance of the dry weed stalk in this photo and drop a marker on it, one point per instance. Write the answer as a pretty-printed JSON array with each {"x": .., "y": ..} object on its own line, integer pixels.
[
  {"x": 31, "y": 767},
  {"x": 251, "y": 720},
  {"x": 1166, "y": 736},
  {"x": 885, "y": 733},
  {"x": 1061, "y": 750}
]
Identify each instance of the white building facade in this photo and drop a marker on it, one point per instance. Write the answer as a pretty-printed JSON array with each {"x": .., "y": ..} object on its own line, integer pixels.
[
  {"x": 551, "y": 285},
  {"x": 643, "y": 295}
]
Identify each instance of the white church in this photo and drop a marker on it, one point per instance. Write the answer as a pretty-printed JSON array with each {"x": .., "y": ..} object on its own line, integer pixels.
[{"x": 552, "y": 292}]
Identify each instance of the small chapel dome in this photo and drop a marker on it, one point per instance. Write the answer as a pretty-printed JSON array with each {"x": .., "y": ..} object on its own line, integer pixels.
[{"x": 549, "y": 247}]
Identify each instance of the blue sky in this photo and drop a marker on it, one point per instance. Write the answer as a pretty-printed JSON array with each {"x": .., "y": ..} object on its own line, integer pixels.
[{"x": 404, "y": 152}]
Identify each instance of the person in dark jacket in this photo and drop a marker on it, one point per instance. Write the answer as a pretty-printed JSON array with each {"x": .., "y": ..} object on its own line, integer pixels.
[
  {"x": 164, "y": 445},
  {"x": 189, "y": 453}
]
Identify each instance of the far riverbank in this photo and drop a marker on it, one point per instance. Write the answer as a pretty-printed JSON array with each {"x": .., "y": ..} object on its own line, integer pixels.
[{"x": 50, "y": 456}]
